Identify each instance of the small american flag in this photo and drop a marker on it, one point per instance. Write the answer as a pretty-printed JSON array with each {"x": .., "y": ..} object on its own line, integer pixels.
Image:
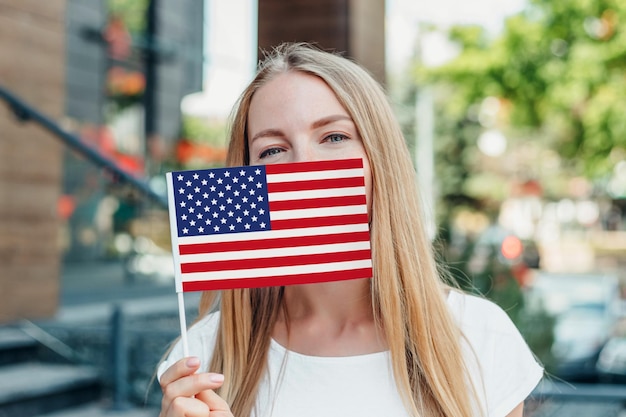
[{"x": 265, "y": 225}]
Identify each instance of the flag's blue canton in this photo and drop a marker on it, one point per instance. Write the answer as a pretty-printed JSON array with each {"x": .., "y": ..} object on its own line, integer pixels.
[{"x": 222, "y": 200}]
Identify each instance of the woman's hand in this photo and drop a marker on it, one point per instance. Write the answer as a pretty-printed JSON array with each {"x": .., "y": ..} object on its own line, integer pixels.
[{"x": 187, "y": 394}]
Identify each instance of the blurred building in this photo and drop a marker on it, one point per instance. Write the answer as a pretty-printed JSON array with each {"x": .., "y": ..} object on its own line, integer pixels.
[
  {"x": 352, "y": 27},
  {"x": 129, "y": 64},
  {"x": 112, "y": 73},
  {"x": 32, "y": 40}
]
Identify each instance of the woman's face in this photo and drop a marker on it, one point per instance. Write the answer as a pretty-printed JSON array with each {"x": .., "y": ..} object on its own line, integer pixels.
[{"x": 296, "y": 117}]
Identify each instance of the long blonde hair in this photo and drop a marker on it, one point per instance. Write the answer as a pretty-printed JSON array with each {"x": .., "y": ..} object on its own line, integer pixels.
[{"x": 407, "y": 292}]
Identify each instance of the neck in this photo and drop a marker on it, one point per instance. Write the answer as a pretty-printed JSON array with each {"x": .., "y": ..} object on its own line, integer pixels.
[
  {"x": 329, "y": 319},
  {"x": 337, "y": 301}
]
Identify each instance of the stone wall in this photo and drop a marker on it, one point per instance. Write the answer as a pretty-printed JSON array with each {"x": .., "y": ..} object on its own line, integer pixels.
[{"x": 32, "y": 67}]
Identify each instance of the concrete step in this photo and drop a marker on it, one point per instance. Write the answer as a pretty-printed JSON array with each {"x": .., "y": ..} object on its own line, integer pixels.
[
  {"x": 102, "y": 410},
  {"x": 16, "y": 346},
  {"x": 574, "y": 408},
  {"x": 30, "y": 388}
]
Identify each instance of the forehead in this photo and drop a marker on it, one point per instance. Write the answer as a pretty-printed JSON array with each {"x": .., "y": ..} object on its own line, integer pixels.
[
  {"x": 293, "y": 82},
  {"x": 292, "y": 93}
]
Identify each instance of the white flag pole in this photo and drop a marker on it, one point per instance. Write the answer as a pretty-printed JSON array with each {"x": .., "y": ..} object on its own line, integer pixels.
[
  {"x": 183, "y": 324},
  {"x": 176, "y": 260}
]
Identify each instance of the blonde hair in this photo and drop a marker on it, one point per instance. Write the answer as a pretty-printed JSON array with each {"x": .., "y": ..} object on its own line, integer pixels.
[{"x": 407, "y": 292}]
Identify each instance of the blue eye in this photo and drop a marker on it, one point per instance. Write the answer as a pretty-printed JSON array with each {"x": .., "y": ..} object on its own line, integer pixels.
[
  {"x": 270, "y": 152},
  {"x": 335, "y": 137}
]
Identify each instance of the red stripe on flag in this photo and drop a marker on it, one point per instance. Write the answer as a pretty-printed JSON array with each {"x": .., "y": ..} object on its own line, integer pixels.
[
  {"x": 275, "y": 262},
  {"x": 276, "y": 243},
  {"x": 323, "y": 184},
  {"x": 312, "y": 278},
  {"x": 313, "y": 166},
  {"x": 350, "y": 200},
  {"x": 319, "y": 221}
]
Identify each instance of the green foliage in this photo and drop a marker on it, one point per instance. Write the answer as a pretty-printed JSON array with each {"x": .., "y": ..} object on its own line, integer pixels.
[
  {"x": 537, "y": 327},
  {"x": 560, "y": 65},
  {"x": 201, "y": 131}
]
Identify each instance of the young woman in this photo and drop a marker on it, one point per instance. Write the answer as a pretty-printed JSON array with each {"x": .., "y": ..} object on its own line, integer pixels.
[{"x": 402, "y": 343}]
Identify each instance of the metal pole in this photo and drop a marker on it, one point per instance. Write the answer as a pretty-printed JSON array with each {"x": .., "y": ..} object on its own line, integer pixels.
[
  {"x": 26, "y": 113},
  {"x": 151, "y": 58},
  {"x": 119, "y": 354},
  {"x": 424, "y": 156}
]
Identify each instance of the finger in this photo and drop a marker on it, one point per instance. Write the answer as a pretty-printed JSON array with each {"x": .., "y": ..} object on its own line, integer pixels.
[
  {"x": 182, "y": 367},
  {"x": 190, "y": 386},
  {"x": 186, "y": 407},
  {"x": 217, "y": 404}
]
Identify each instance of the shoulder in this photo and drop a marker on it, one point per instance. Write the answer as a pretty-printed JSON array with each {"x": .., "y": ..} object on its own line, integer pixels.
[
  {"x": 502, "y": 367},
  {"x": 200, "y": 339},
  {"x": 478, "y": 314},
  {"x": 486, "y": 328}
]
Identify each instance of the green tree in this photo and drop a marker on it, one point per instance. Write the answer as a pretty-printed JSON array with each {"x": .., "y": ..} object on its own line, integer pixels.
[
  {"x": 559, "y": 66},
  {"x": 557, "y": 72}
]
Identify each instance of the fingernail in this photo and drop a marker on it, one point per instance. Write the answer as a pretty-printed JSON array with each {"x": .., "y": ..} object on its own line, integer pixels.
[
  {"x": 193, "y": 362},
  {"x": 218, "y": 378}
]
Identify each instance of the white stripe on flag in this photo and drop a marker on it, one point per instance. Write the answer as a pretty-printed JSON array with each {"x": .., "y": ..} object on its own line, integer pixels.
[
  {"x": 272, "y": 253},
  {"x": 272, "y": 234},
  {"x": 317, "y": 212},
  {"x": 315, "y": 175}
]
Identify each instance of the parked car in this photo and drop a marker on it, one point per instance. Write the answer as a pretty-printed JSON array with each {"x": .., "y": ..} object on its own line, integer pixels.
[
  {"x": 611, "y": 365},
  {"x": 585, "y": 310},
  {"x": 580, "y": 333}
]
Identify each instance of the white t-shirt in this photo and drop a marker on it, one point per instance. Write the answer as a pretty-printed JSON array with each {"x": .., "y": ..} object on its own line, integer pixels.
[{"x": 363, "y": 385}]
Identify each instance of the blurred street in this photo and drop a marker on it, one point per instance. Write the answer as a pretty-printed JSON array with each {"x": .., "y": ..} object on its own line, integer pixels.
[
  {"x": 512, "y": 112},
  {"x": 107, "y": 282}
]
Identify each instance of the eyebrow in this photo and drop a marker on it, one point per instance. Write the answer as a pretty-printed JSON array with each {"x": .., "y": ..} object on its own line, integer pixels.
[
  {"x": 330, "y": 119},
  {"x": 266, "y": 133},
  {"x": 317, "y": 124}
]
